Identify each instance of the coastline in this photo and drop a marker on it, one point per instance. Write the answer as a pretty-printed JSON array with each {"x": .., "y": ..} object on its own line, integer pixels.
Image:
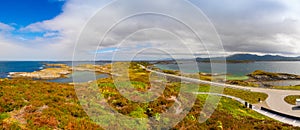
[{"x": 57, "y": 71}]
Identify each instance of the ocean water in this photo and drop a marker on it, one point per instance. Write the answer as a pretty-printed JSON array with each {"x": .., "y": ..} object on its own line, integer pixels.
[
  {"x": 30, "y": 66},
  {"x": 81, "y": 76},
  {"x": 239, "y": 69},
  {"x": 19, "y": 66}
]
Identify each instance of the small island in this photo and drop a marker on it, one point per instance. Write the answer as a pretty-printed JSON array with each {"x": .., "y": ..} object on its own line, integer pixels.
[
  {"x": 52, "y": 71},
  {"x": 55, "y": 71},
  {"x": 260, "y": 75}
]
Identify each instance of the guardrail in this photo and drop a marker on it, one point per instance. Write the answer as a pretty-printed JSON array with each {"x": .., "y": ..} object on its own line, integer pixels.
[{"x": 280, "y": 114}]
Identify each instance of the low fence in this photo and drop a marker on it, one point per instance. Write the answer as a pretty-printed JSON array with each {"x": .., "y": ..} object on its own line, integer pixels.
[{"x": 280, "y": 114}]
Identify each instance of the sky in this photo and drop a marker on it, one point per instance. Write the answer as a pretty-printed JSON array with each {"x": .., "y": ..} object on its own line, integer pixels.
[
  {"x": 105, "y": 29},
  {"x": 21, "y": 13}
]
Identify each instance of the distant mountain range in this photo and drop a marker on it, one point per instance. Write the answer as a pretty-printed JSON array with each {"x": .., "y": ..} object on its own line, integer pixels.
[{"x": 252, "y": 57}]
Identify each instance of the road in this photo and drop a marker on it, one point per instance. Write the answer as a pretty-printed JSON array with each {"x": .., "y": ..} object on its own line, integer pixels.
[
  {"x": 257, "y": 109},
  {"x": 275, "y": 100}
]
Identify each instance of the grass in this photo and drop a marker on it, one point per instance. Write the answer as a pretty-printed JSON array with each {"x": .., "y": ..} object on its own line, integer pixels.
[
  {"x": 242, "y": 83},
  {"x": 204, "y": 77},
  {"x": 26, "y": 99},
  {"x": 251, "y": 97},
  {"x": 28, "y": 104},
  {"x": 135, "y": 84},
  {"x": 237, "y": 109},
  {"x": 270, "y": 76},
  {"x": 229, "y": 114},
  {"x": 261, "y": 72},
  {"x": 287, "y": 87},
  {"x": 232, "y": 77},
  {"x": 4, "y": 116},
  {"x": 291, "y": 99},
  {"x": 170, "y": 72},
  {"x": 252, "y": 84}
]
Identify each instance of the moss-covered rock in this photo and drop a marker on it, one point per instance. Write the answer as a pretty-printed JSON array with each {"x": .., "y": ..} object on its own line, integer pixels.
[{"x": 261, "y": 75}]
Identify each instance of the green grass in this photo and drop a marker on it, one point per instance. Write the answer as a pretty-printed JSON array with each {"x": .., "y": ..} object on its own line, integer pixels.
[
  {"x": 252, "y": 84},
  {"x": 134, "y": 84},
  {"x": 232, "y": 77},
  {"x": 261, "y": 72},
  {"x": 287, "y": 87},
  {"x": 170, "y": 72},
  {"x": 237, "y": 109},
  {"x": 251, "y": 97},
  {"x": 63, "y": 110},
  {"x": 229, "y": 114},
  {"x": 4, "y": 116},
  {"x": 291, "y": 99},
  {"x": 242, "y": 83}
]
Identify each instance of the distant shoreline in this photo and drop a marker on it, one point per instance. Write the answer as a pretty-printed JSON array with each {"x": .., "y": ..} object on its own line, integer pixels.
[{"x": 169, "y": 61}]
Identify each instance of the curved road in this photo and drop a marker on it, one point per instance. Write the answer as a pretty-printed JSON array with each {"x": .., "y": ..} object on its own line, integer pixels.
[
  {"x": 257, "y": 109},
  {"x": 275, "y": 100}
]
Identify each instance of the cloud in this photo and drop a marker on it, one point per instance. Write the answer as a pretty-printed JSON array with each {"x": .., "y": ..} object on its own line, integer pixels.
[
  {"x": 256, "y": 26},
  {"x": 59, "y": 34},
  {"x": 5, "y": 27},
  {"x": 269, "y": 26},
  {"x": 15, "y": 50}
]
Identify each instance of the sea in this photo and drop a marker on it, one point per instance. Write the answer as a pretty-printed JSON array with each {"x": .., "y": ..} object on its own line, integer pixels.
[
  {"x": 241, "y": 69},
  {"x": 236, "y": 69},
  {"x": 30, "y": 66}
]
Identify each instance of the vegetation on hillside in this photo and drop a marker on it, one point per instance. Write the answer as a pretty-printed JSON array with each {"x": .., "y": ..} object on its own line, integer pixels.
[
  {"x": 232, "y": 77},
  {"x": 251, "y": 97},
  {"x": 29, "y": 104},
  {"x": 242, "y": 83}
]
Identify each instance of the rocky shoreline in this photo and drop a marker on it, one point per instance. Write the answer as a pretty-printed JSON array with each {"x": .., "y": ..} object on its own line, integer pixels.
[
  {"x": 59, "y": 71},
  {"x": 55, "y": 71},
  {"x": 260, "y": 75}
]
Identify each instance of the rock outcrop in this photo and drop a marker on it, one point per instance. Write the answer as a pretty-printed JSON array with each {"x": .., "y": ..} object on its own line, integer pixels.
[
  {"x": 48, "y": 73},
  {"x": 269, "y": 76},
  {"x": 60, "y": 70}
]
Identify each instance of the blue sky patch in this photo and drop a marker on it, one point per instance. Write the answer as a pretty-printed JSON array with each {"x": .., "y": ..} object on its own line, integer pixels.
[
  {"x": 107, "y": 50},
  {"x": 21, "y": 13}
]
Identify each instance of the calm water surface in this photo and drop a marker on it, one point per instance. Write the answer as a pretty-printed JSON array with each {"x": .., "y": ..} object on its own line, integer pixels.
[
  {"x": 238, "y": 69},
  {"x": 81, "y": 76},
  {"x": 30, "y": 66},
  {"x": 292, "y": 67}
]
